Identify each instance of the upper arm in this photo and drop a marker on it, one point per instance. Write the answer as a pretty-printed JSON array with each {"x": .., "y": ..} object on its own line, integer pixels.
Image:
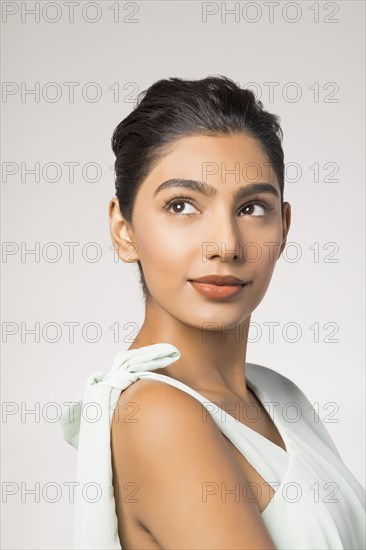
[{"x": 191, "y": 490}]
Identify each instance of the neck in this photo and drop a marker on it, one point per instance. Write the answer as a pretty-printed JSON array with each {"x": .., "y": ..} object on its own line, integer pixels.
[{"x": 212, "y": 360}]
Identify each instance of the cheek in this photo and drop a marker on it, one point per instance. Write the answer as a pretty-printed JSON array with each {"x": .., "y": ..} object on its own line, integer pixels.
[
  {"x": 163, "y": 253},
  {"x": 263, "y": 234},
  {"x": 261, "y": 250}
]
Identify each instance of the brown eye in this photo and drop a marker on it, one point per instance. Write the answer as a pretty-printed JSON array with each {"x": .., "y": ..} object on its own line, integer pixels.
[
  {"x": 253, "y": 212},
  {"x": 179, "y": 206}
]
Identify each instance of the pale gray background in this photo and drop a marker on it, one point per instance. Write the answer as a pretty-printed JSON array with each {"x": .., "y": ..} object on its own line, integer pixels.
[{"x": 169, "y": 39}]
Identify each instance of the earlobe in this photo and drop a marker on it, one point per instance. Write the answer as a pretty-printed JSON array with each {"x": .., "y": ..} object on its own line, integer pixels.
[{"x": 120, "y": 231}]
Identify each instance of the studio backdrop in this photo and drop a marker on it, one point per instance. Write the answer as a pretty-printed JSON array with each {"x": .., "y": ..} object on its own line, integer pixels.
[{"x": 71, "y": 71}]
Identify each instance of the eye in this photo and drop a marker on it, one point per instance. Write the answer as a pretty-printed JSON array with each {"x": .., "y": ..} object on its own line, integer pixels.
[
  {"x": 260, "y": 208},
  {"x": 178, "y": 202},
  {"x": 260, "y": 205}
]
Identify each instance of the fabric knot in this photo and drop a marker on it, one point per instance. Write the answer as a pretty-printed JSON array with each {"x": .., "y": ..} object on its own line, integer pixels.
[
  {"x": 127, "y": 368},
  {"x": 87, "y": 426}
]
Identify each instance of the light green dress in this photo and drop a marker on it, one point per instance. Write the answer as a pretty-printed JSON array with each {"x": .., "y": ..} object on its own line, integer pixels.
[{"x": 318, "y": 503}]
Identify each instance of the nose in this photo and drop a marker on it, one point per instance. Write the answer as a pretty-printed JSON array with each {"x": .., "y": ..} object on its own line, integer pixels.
[{"x": 223, "y": 240}]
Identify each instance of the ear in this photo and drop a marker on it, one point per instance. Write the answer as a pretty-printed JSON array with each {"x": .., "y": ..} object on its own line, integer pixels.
[
  {"x": 286, "y": 222},
  {"x": 121, "y": 233}
]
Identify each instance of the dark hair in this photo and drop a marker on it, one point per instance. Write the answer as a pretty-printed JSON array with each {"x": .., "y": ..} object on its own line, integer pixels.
[{"x": 173, "y": 108}]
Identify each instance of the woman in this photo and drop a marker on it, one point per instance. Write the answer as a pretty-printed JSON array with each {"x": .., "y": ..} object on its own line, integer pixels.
[{"x": 181, "y": 450}]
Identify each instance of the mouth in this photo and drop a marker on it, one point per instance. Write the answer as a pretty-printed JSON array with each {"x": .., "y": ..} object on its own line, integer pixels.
[
  {"x": 220, "y": 290},
  {"x": 219, "y": 280}
]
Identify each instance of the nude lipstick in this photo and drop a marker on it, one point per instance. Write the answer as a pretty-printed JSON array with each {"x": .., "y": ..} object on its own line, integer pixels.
[{"x": 218, "y": 286}]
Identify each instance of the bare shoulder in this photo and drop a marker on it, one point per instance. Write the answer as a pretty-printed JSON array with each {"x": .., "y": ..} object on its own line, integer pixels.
[
  {"x": 150, "y": 410},
  {"x": 153, "y": 399},
  {"x": 184, "y": 472}
]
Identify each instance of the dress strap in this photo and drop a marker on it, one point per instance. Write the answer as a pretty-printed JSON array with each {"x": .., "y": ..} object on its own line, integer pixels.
[
  {"x": 126, "y": 368},
  {"x": 255, "y": 448},
  {"x": 87, "y": 427}
]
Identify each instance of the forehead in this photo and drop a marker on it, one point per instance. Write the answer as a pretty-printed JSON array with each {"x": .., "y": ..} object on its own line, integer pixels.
[{"x": 235, "y": 158}]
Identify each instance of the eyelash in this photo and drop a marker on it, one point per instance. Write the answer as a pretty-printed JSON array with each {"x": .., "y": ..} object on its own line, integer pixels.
[{"x": 180, "y": 198}]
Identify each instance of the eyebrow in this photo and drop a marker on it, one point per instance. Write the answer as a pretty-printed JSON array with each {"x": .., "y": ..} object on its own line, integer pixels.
[{"x": 210, "y": 191}]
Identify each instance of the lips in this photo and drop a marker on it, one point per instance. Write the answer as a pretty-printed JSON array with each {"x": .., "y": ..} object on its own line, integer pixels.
[
  {"x": 219, "y": 280},
  {"x": 219, "y": 287}
]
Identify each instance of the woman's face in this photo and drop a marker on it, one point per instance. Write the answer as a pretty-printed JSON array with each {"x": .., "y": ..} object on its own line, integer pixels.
[{"x": 218, "y": 232}]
